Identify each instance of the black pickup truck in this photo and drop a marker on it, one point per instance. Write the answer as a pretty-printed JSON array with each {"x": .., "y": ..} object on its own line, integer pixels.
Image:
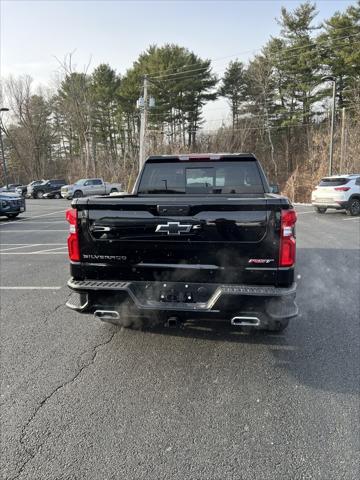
[{"x": 201, "y": 237}]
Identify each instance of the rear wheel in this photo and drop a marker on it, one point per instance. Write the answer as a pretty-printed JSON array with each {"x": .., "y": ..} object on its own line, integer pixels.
[
  {"x": 12, "y": 215},
  {"x": 78, "y": 194},
  {"x": 57, "y": 195},
  {"x": 39, "y": 194},
  {"x": 353, "y": 207},
  {"x": 320, "y": 209},
  {"x": 113, "y": 190}
]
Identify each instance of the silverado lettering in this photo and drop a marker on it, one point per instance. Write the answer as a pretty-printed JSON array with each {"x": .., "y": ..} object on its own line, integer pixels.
[{"x": 104, "y": 257}]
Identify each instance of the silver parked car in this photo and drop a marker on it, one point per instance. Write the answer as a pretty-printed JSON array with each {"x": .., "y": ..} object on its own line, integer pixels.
[{"x": 89, "y": 186}]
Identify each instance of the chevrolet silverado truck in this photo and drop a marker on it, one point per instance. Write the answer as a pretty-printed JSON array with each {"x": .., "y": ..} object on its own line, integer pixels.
[
  {"x": 200, "y": 238},
  {"x": 89, "y": 186}
]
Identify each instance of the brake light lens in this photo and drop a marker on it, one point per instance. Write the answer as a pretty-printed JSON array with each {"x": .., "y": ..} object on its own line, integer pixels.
[
  {"x": 342, "y": 189},
  {"x": 199, "y": 157},
  {"x": 287, "y": 254},
  {"x": 73, "y": 238}
]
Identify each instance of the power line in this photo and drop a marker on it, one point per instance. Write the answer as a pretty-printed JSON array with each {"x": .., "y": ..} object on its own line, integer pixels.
[
  {"x": 289, "y": 49},
  {"x": 258, "y": 104},
  {"x": 163, "y": 74},
  {"x": 282, "y": 115},
  {"x": 185, "y": 75},
  {"x": 231, "y": 130},
  {"x": 277, "y": 115}
]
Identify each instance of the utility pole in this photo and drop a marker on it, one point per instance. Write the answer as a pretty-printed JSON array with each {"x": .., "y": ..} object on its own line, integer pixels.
[
  {"x": 3, "y": 109},
  {"x": 332, "y": 79},
  {"x": 342, "y": 147},
  {"x": 143, "y": 119},
  {"x": 332, "y": 128}
]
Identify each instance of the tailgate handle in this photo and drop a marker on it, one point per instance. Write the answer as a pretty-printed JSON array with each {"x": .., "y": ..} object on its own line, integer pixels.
[
  {"x": 100, "y": 229},
  {"x": 178, "y": 210}
]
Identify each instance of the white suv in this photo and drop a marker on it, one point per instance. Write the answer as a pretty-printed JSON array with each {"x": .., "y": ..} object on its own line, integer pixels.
[{"x": 339, "y": 192}]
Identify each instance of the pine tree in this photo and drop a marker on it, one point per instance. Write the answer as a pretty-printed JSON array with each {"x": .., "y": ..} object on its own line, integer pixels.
[
  {"x": 181, "y": 84},
  {"x": 339, "y": 49},
  {"x": 234, "y": 88},
  {"x": 104, "y": 87}
]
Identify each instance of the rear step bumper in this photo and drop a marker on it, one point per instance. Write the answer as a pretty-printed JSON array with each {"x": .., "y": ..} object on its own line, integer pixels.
[{"x": 118, "y": 300}]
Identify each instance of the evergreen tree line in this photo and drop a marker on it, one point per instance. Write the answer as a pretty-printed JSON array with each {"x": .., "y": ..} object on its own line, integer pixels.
[{"x": 89, "y": 126}]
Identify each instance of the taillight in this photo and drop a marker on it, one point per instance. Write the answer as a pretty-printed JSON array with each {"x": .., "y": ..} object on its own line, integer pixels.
[
  {"x": 287, "y": 252},
  {"x": 73, "y": 238},
  {"x": 342, "y": 189}
]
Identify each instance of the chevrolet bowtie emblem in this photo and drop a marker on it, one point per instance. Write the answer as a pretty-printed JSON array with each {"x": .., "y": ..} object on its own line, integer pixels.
[{"x": 173, "y": 228}]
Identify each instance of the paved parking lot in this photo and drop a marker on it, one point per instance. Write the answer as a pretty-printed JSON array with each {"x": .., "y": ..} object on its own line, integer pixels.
[{"x": 85, "y": 400}]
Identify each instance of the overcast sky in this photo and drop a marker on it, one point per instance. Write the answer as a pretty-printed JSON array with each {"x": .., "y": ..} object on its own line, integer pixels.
[{"x": 35, "y": 33}]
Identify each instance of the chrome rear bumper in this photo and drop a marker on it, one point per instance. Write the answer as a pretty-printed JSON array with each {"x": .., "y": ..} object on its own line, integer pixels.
[{"x": 221, "y": 301}]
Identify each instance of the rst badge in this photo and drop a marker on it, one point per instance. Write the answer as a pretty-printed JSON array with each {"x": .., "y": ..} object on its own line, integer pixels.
[{"x": 260, "y": 261}]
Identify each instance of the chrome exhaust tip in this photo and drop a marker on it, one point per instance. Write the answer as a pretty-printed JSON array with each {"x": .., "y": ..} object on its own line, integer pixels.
[
  {"x": 107, "y": 315},
  {"x": 245, "y": 321}
]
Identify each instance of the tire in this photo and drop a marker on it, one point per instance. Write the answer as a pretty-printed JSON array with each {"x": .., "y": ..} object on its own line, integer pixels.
[
  {"x": 354, "y": 207},
  {"x": 12, "y": 215},
  {"x": 78, "y": 194},
  {"x": 39, "y": 194},
  {"x": 57, "y": 196},
  {"x": 320, "y": 209},
  {"x": 113, "y": 190}
]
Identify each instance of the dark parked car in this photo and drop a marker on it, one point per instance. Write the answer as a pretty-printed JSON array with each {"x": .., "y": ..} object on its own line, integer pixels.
[
  {"x": 38, "y": 191},
  {"x": 25, "y": 190},
  {"x": 10, "y": 188},
  {"x": 11, "y": 205},
  {"x": 54, "y": 194}
]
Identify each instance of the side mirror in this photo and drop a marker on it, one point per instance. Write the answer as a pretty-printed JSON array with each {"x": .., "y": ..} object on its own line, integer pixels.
[{"x": 274, "y": 188}]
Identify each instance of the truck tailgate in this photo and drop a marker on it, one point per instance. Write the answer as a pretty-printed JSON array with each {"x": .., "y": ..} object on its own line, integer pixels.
[{"x": 228, "y": 241}]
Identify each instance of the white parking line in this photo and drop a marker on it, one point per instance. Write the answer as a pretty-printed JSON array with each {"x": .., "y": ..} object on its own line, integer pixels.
[
  {"x": 38, "y": 222},
  {"x": 30, "y": 218},
  {"x": 32, "y": 244},
  {"x": 303, "y": 213},
  {"x": 20, "y": 246},
  {"x": 30, "y": 288},
  {"x": 353, "y": 218},
  {"x": 34, "y": 253},
  {"x": 51, "y": 250}
]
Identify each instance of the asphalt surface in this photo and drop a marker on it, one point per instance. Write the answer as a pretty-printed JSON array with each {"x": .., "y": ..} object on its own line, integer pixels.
[{"x": 82, "y": 399}]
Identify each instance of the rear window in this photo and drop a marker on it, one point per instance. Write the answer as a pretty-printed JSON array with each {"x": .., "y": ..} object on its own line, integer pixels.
[
  {"x": 333, "y": 182},
  {"x": 201, "y": 178}
]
